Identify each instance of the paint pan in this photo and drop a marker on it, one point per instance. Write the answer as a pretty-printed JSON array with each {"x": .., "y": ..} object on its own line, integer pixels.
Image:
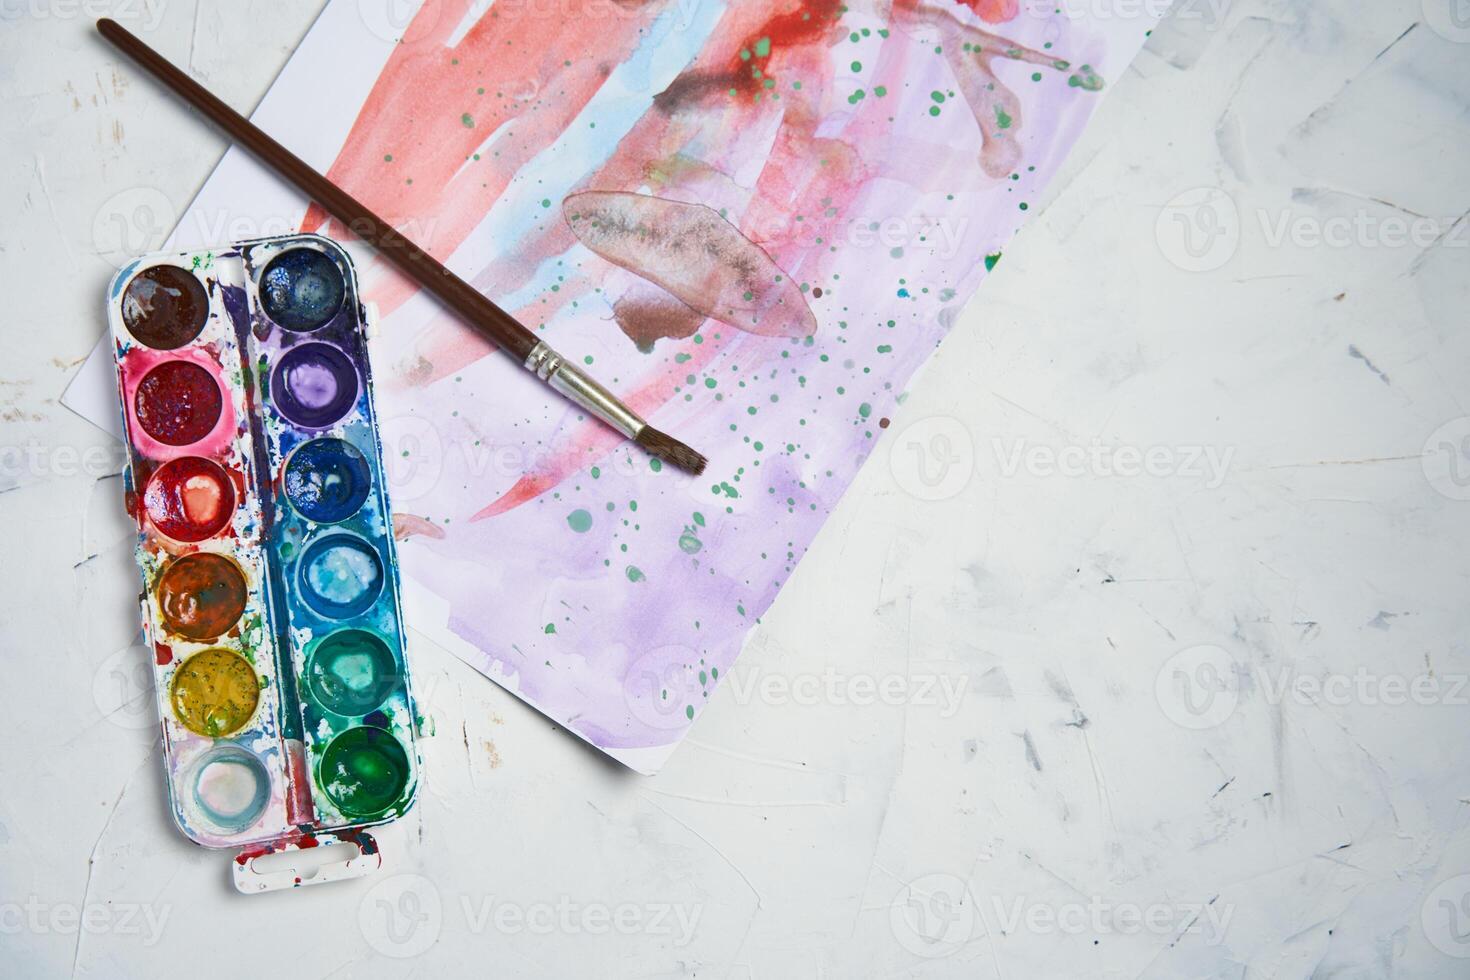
[{"x": 270, "y": 585}]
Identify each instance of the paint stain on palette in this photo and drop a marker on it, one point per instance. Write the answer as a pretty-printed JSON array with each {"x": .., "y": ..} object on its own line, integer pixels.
[{"x": 270, "y": 586}]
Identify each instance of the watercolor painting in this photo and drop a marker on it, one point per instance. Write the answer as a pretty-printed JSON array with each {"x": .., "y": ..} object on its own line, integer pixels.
[{"x": 753, "y": 221}]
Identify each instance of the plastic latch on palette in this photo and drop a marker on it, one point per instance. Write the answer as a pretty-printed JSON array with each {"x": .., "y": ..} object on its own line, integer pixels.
[{"x": 251, "y": 879}]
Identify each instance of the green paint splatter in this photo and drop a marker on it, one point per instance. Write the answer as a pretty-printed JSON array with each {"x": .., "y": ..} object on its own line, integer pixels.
[
  {"x": 1087, "y": 79},
  {"x": 580, "y": 521},
  {"x": 550, "y": 628},
  {"x": 992, "y": 260},
  {"x": 763, "y": 47}
]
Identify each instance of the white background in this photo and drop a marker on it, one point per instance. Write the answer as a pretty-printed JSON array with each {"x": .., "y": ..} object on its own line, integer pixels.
[{"x": 1017, "y": 714}]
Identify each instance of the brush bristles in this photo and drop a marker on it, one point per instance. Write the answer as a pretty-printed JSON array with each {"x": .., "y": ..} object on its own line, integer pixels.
[{"x": 670, "y": 450}]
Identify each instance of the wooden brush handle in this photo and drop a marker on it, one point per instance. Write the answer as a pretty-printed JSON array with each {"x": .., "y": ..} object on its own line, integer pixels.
[{"x": 413, "y": 261}]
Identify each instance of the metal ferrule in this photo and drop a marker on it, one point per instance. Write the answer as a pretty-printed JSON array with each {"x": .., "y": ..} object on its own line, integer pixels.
[{"x": 578, "y": 388}]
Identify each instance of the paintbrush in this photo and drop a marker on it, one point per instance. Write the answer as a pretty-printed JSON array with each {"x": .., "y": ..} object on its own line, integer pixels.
[{"x": 418, "y": 265}]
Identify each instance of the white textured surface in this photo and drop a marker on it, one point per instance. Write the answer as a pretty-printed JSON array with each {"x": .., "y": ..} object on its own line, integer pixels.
[{"x": 1237, "y": 679}]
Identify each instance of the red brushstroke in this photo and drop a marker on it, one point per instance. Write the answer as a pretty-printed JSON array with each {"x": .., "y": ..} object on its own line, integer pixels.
[
  {"x": 811, "y": 21},
  {"x": 406, "y": 526},
  {"x": 590, "y": 442},
  {"x": 994, "y": 11},
  {"x": 433, "y": 189}
]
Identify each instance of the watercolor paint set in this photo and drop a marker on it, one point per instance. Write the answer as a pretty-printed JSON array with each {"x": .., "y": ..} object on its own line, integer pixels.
[{"x": 270, "y": 584}]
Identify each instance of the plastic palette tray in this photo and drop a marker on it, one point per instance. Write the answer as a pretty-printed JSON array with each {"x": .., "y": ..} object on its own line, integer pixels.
[{"x": 270, "y": 586}]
